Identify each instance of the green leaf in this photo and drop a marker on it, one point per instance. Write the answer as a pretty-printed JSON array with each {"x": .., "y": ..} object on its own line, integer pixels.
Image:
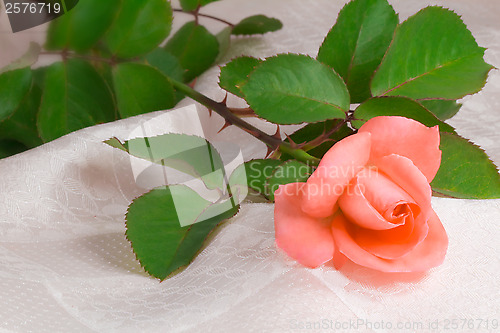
[
  {"x": 441, "y": 108},
  {"x": 160, "y": 243},
  {"x": 14, "y": 85},
  {"x": 257, "y": 24},
  {"x": 105, "y": 70},
  {"x": 191, "y": 5},
  {"x": 165, "y": 63},
  {"x": 26, "y": 60},
  {"x": 253, "y": 174},
  {"x": 433, "y": 55},
  {"x": 356, "y": 44},
  {"x": 21, "y": 126},
  {"x": 466, "y": 171},
  {"x": 11, "y": 147},
  {"x": 224, "y": 40},
  {"x": 289, "y": 172},
  {"x": 397, "y": 106},
  {"x": 68, "y": 4},
  {"x": 195, "y": 47},
  {"x": 139, "y": 28},
  {"x": 58, "y": 33},
  {"x": 169, "y": 66},
  {"x": 192, "y": 155},
  {"x": 74, "y": 96},
  {"x": 292, "y": 89},
  {"x": 140, "y": 89},
  {"x": 82, "y": 27},
  {"x": 39, "y": 76},
  {"x": 235, "y": 74},
  {"x": 116, "y": 143},
  {"x": 206, "y": 2}
]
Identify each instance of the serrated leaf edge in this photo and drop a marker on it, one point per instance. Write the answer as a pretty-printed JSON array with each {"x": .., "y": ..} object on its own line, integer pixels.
[
  {"x": 180, "y": 268},
  {"x": 431, "y": 114},
  {"x": 412, "y": 16},
  {"x": 305, "y": 56},
  {"x": 246, "y": 35},
  {"x": 437, "y": 190},
  {"x": 247, "y": 76}
]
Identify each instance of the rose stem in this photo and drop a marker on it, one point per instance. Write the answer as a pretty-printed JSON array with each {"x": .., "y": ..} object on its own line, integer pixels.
[
  {"x": 196, "y": 13},
  {"x": 220, "y": 108}
]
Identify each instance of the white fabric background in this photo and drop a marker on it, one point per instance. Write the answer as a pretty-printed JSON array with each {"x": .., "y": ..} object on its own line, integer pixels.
[{"x": 65, "y": 265}]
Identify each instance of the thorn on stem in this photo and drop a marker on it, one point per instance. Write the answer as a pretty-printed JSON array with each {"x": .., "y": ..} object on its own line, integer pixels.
[
  {"x": 253, "y": 133},
  {"x": 270, "y": 151},
  {"x": 293, "y": 144},
  {"x": 226, "y": 125},
  {"x": 277, "y": 135},
  {"x": 224, "y": 101}
]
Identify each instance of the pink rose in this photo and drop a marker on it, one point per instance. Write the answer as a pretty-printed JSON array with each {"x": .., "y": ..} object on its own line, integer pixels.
[{"x": 369, "y": 200}]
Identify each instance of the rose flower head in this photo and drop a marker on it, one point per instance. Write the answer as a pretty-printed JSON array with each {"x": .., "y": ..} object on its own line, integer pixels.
[{"x": 368, "y": 201}]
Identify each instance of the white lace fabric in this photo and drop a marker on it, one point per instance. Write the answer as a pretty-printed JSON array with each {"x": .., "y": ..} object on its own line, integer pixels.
[{"x": 66, "y": 266}]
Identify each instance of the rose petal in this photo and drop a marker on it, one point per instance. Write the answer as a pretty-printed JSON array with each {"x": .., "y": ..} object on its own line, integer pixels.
[
  {"x": 403, "y": 172},
  {"x": 380, "y": 191},
  {"x": 429, "y": 253},
  {"x": 339, "y": 259},
  {"x": 405, "y": 137},
  {"x": 394, "y": 243},
  {"x": 305, "y": 238},
  {"x": 337, "y": 167},
  {"x": 358, "y": 209}
]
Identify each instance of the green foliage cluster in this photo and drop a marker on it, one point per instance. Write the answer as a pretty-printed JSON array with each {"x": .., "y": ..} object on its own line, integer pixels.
[
  {"x": 113, "y": 66},
  {"x": 416, "y": 69}
]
